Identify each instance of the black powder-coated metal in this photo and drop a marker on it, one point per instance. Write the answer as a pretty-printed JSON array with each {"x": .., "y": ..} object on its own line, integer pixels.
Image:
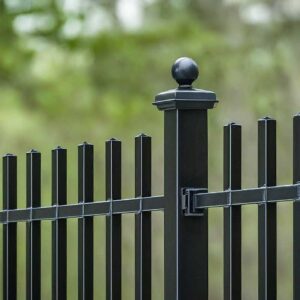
[
  {"x": 143, "y": 219},
  {"x": 185, "y": 167},
  {"x": 9, "y": 230},
  {"x": 296, "y": 208},
  {"x": 186, "y": 238},
  {"x": 267, "y": 218},
  {"x": 185, "y": 71},
  {"x": 33, "y": 228},
  {"x": 83, "y": 210},
  {"x": 59, "y": 226},
  {"x": 184, "y": 204},
  {"x": 85, "y": 224},
  {"x": 232, "y": 214},
  {"x": 113, "y": 222},
  {"x": 248, "y": 196}
]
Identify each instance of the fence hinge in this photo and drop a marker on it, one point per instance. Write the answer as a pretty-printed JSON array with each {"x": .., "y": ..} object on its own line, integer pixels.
[{"x": 188, "y": 204}]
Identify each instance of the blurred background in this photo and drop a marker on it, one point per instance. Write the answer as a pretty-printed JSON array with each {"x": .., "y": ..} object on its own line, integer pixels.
[{"x": 76, "y": 70}]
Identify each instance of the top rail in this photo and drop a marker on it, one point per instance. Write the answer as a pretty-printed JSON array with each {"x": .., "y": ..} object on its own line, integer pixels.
[{"x": 248, "y": 196}]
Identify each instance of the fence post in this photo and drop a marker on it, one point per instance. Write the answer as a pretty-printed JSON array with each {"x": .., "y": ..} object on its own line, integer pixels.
[{"x": 185, "y": 166}]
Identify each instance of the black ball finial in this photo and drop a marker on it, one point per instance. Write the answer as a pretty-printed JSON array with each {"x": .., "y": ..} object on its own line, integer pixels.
[{"x": 185, "y": 71}]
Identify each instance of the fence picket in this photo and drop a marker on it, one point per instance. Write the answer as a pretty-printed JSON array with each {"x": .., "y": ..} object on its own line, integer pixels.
[
  {"x": 9, "y": 229},
  {"x": 232, "y": 214},
  {"x": 296, "y": 206},
  {"x": 267, "y": 212},
  {"x": 113, "y": 222},
  {"x": 143, "y": 219},
  {"x": 85, "y": 224},
  {"x": 33, "y": 228},
  {"x": 59, "y": 226}
]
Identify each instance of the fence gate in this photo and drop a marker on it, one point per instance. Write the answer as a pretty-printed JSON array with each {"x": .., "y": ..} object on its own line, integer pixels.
[{"x": 185, "y": 204}]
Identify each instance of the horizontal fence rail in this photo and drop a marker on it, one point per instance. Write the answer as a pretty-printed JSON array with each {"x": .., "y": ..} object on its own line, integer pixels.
[
  {"x": 248, "y": 196},
  {"x": 79, "y": 210}
]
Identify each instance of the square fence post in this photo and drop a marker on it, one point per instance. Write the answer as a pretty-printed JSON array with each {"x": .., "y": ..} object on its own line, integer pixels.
[{"x": 185, "y": 166}]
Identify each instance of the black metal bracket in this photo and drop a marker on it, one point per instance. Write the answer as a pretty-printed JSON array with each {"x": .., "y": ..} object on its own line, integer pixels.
[{"x": 187, "y": 201}]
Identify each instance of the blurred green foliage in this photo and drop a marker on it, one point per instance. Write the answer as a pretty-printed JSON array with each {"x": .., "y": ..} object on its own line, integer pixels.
[{"x": 75, "y": 70}]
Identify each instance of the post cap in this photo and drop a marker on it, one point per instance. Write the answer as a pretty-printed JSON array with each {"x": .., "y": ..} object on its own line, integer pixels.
[{"x": 185, "y": 71}]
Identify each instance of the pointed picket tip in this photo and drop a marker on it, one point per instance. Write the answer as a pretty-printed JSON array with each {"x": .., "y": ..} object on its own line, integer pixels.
[
  {"x": 59, "y": 148},
  {"x": 142, "y": 135},
  {"x": 267, "y": 118},
  {"x": 9, "y": 155},
  {"x": 85, "y": 143},
  {"x": 232, "y": 124},
  {"x": 32, "y": 151},
  {"x": 112, "y": 140}
]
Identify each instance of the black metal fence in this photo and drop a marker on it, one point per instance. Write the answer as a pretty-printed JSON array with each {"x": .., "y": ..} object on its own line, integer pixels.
[{"x": 185, "y": 204}]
